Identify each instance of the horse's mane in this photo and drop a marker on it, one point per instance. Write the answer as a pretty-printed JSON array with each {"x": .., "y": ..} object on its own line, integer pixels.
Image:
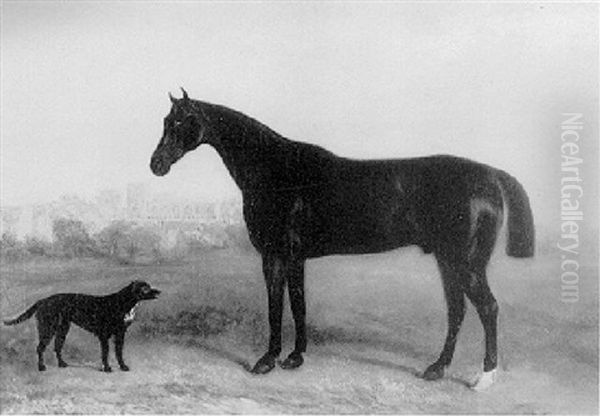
[
  {"x": 216, "y": 113},
  {"x": 252, "y": 130}
]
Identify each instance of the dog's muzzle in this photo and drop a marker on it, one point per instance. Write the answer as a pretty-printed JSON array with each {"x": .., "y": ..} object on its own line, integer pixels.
[{"x": 153, "y": 294}]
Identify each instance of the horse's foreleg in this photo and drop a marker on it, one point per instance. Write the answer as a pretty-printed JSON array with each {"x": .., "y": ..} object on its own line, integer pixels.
[
  {"x": 455, "y": 300},
  {"x": 273, "y": 270},
  {"x": 296, "y": 292}
]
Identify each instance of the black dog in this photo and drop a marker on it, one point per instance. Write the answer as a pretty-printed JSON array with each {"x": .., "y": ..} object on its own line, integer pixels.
[{"x": 103, "y": 316}]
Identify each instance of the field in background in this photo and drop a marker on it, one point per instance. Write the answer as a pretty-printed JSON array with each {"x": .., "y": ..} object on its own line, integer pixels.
[{"x": 375, "y": 322}]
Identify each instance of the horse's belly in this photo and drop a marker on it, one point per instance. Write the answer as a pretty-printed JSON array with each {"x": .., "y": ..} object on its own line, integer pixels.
[
  {"x": 350, "y": 232},
  {"x": 359, "y": 241}
]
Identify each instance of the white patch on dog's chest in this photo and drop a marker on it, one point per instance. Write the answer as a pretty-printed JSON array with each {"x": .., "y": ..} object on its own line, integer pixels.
[{"x": 129, "y": 315}]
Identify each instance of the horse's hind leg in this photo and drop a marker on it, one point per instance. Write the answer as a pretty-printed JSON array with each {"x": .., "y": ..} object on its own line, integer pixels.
[
  {"x": 463, "y": 272},
  {"x": 455, "y": 301},
  {"x": 480, "y": 295}
]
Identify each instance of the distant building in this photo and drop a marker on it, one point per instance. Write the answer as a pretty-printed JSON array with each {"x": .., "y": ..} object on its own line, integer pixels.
[
  {"x": 136, "y": 200},
  {"x": 111, "y": 204},
  {"x": 27, "y": 220},
  {"x": 139, "y": 205},
  {"x": 10, "y": 219},
  {"x": 41, "y": 222},
  {"x": 160, "y": 209}
]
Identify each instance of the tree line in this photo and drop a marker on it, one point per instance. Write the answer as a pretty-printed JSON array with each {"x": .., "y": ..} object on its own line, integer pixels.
[{"x": 123, "y": 241}]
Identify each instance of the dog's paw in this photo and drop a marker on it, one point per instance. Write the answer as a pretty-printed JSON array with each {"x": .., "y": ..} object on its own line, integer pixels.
[
  {"x": 41, "y": 367},
  {"x": 62, "y": 364},
  {"x": 107, "y": 369},
  {"x": 124, "y": 367}
]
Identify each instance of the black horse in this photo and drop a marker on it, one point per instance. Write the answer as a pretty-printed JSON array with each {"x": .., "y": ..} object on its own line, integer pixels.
[{"x": 302, "y": 201}]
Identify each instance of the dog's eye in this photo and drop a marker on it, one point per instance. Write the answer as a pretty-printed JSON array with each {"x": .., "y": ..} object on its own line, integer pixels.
[{"x": 145, "y": 289}]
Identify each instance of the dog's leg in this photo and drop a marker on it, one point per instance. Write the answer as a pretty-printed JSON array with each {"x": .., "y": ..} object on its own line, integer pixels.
[
  {"x": 45, "y": 334},
  {"x": 119, "y": 342},
  {"x": 40, "y": 352},
  {"x": 104, "y": 345},
  {"x": 59, "y": 341}
]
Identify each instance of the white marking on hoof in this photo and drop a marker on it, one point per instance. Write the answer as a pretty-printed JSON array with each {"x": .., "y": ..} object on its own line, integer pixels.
[{"x": 485, "y": 381}]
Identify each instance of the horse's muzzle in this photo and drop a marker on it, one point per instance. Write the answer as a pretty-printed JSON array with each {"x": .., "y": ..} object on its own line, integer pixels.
[{"x": 158, "y": 166}]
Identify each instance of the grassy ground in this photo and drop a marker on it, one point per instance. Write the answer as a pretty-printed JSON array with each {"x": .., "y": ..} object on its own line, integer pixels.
[{"x": 375, "y": 322}]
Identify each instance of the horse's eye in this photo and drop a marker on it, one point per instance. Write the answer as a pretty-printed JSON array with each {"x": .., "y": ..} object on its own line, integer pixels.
[{"x": 177, "y": 125}]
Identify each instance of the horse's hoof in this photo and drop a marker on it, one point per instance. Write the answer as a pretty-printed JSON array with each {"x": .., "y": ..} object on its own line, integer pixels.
[
  {"x": 294, "y": 360},
  {"x": 433, "y": 372},
  {"x": 264, "y": 365},
  {"x": 485, "y": 381}
]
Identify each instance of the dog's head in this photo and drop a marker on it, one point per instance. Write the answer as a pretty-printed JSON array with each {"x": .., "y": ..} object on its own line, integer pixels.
[{"x": 141, "y": 290}]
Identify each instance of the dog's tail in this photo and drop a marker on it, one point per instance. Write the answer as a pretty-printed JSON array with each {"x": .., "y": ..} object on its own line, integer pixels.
[{"x": 24, "y": 316}]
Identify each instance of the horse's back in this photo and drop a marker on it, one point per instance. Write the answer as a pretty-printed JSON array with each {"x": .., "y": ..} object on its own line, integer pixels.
[{"x": 377, "y": 205}]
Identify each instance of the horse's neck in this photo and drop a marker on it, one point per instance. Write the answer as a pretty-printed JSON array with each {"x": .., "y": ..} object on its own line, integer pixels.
[{"x": 249, "y": 149}]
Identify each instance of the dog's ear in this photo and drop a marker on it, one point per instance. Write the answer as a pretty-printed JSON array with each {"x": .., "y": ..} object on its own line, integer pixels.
[
  {"x": 140, "y": 289},
  {"x": 135, "y": 286}
]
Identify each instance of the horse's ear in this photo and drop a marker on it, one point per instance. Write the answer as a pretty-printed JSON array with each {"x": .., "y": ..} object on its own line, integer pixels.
[
  {"x": 185, "y": 95},
  {"x": 173, "y": 100}
]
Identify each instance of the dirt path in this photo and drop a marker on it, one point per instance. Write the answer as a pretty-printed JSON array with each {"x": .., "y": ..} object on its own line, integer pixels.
[{"x": 170, "y": 378}]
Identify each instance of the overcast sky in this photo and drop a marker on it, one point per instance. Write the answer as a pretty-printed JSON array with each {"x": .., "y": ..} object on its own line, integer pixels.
[{"x": 84, "y": 86}]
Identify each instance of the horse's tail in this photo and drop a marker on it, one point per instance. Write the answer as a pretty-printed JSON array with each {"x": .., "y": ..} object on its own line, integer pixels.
[
  {"x": 521, "y": 230},
  {"x": 24, "y": 316}
]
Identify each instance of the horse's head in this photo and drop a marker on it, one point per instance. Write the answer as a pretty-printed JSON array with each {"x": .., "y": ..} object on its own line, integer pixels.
[{"x": 184, "y": 130}]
